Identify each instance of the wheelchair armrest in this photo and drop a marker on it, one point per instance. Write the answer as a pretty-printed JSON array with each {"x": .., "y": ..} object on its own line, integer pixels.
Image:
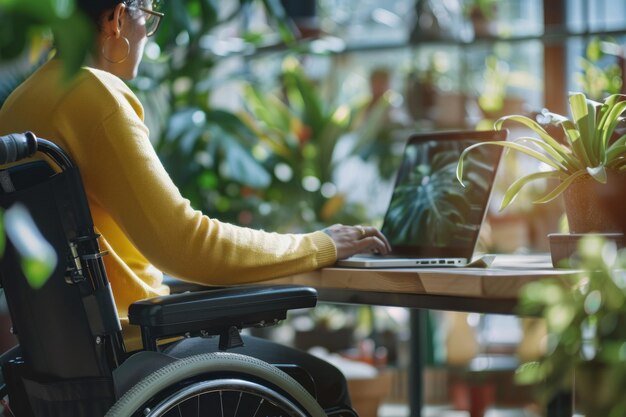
[{"x": 216, "y": 312}]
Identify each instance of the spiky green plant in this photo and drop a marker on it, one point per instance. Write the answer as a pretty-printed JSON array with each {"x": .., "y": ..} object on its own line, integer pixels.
[{"x": 589, "y": 148}]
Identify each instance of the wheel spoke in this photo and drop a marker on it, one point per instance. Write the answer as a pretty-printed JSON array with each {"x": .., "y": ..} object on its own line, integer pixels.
[
  {"x": 259, "y": 407},
  {"x": 233, "y": 398},
  {"x": 238, "y": 402}
]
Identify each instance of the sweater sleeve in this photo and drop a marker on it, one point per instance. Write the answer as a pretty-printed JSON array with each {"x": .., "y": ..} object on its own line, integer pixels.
[{"x": 123, "y": 174}]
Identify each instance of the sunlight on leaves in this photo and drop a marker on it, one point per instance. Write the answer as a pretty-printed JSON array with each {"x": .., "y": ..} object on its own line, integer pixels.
[
  {"x": 590, "y": 247},
  {"x": 529, "y": 373},
  {"x": 559, "y": 316},
  {"x": 593, "y": 302},
  {"x": 38, "y": 257},
  {"x": 341, "y": 115}
]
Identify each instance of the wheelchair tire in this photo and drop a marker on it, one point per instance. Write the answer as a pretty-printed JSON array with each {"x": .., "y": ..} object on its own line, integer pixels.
[{"x": 215, "y": 379}]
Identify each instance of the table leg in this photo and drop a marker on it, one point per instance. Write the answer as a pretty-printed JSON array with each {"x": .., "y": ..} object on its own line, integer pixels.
[{"x": 416, "y": 361}]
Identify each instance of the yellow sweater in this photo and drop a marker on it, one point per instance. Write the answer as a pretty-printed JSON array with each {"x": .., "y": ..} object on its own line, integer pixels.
[{"x": 146, "y": 225}]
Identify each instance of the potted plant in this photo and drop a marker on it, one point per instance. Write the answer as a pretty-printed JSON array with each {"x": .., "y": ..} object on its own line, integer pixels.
[
  {"x": 598, "y": 77},
  {"x": 495, "y": 99},
  {"x": 481, "y": 14},
  {"x": 298, "y": 128},
  {"x": 421, "y": 86},
  {"x": 588, "y": 162},
  {"x": 585, "y": 316}
]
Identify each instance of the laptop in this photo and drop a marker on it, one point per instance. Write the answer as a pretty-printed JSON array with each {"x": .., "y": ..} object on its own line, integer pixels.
[{"x": 431, "y": 220}]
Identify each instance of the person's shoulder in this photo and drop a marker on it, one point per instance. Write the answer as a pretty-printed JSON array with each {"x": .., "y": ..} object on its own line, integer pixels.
[
  {"x": 99, "y": 92},
  {"x": 106, "y": 85},
  {"x": 102, "y": 79}
]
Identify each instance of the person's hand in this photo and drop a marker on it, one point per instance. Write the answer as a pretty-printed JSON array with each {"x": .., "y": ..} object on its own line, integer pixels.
[{"x": 351, "y": 240}]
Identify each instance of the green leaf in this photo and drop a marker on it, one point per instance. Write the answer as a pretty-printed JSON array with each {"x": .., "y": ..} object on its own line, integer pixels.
[
  {"x": 610, "y": 103},
  {"x": 303, "y": 90},
  {"x": 230, "y": 122},
  {"x": 616, "y": 149},
  {"x": 459, "y": 169},
  {"x": 536, "y": 127},
  {"x": 39, "y": 258},
  {"x": 612, "y": 118},
  {"x": 42, "y": 10},
  {"x": 529, "y": 373},
  {"x": 578, "y": 106},
  {"x": 561, "y": 187},
  {"x": 276, "y": 10},
  {"x": 37, "y": 270},
  {"x": 598, "y": 173},
  {"x": 594, "y": 148},
  {"x": 209, "y": 14},
  {"x": 593, "y": 50},
  {"x": 74, "y": 37},
  {"x": 565, "y": 157},
  {"x": 512, "y": 145},
  {"x": 73, "y": 32},
  {"x": 516, "y": 187},
  {"x": 14, "y": 36},
  {"x": 245, "y": 169}
]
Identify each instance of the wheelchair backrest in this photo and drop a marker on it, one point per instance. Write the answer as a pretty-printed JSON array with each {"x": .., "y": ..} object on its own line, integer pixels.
[{"x": 69, "y": 327}]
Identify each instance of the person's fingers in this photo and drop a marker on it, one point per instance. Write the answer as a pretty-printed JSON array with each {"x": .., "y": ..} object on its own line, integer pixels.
[
  {"x": 350, "y": 240},
  {"x": 372, "y": 244},
  {"x": 372, "y": 231}
]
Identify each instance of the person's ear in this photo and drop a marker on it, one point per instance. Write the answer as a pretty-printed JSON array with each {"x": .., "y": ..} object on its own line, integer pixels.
[{"x": 115, "y": 21}]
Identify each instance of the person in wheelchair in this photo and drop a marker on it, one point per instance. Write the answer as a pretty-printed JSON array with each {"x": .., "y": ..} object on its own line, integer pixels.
[{"x": 145, "y": 224}]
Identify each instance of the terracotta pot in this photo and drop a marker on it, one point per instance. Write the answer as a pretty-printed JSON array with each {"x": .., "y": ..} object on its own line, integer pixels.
[
  {"x": 420, "y": 97},
  {"x": 564, "y": 246},
  {"x": 594, "y": 207},
  {"x": 368, "y": 394},
  {"x": 483, "y": 25}
]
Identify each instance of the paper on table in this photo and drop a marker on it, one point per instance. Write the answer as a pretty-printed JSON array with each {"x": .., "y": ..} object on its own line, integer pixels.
[{"x": 527, "y": 261}]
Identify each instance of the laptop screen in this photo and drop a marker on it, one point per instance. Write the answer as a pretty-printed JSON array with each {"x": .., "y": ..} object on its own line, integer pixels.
[{"x": 430, "y": 214}]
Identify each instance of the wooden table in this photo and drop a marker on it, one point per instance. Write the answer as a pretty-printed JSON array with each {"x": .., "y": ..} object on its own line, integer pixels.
[
  {"x": 494, "y": 289},
  {"x": 457, "y": 289}
]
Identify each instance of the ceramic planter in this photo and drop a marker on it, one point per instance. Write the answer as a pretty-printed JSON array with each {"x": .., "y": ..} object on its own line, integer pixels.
[{"x": 591, "y": 206}]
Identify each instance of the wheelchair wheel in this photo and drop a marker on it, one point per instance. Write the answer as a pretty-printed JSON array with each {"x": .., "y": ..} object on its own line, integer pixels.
[{"x": 217, "y": 384}]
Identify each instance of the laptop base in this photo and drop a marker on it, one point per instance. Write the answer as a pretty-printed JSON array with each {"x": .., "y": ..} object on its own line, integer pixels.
[{"x": 374, "y": 261}]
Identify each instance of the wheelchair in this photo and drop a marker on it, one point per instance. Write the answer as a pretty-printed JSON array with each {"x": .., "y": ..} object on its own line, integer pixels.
[{"x": 71, "y": 359}]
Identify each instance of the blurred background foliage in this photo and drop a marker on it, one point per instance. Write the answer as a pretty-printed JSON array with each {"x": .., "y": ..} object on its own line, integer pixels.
[
  {"x": 28, "y": 26},
  {"x": 299, "y": 127},
  {"x": 601, "y": 68},
  {"x": 270, "y": 165}
]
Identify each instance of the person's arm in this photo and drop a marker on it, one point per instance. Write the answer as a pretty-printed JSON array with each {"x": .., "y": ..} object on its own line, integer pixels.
[
  {"x": 124, "y": 176},
  {"x": 123, "y": 173}
]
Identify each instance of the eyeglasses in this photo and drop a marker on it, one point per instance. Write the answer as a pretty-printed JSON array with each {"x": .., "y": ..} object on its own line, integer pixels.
[{"x": 152, "y": 20}]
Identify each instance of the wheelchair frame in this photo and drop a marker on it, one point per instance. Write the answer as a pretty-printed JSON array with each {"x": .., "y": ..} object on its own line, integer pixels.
[{"x": 71, "y": 359}]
